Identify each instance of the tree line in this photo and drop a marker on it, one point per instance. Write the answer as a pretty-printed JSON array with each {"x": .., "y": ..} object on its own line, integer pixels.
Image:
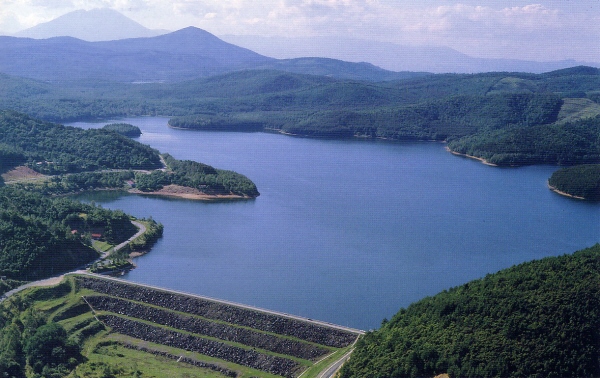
[
  {"x": 579, "y": 181},
  {"x": 537, "y": 319},
  {"x": 54, "y": 149},
  {"x": 40, "y": 236},
  {"x": 196, "y": 175}
]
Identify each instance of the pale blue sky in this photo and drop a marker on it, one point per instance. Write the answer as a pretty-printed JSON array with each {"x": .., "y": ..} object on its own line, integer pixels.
[{"x": 536, "y": 30}]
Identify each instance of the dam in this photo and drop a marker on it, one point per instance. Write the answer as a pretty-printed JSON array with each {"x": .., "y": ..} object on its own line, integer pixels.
[{"x": 267, "y": 341}]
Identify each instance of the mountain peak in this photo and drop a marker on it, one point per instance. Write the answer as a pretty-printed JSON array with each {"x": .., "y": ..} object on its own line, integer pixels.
[{"x": 100, "y": 24}]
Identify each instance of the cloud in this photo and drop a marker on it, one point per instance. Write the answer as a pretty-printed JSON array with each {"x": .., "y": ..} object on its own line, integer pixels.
[{"x": 487, "y": 29}]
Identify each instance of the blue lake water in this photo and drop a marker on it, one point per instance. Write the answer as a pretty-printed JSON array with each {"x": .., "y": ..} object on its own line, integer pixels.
[{"x": 346, "y": 231}]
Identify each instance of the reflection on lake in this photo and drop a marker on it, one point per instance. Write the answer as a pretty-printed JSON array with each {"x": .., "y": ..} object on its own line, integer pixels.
[{"x": 346, "y": 231}]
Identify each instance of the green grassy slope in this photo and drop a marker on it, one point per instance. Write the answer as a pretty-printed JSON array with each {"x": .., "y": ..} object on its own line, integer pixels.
[{"x": 124, "y": 330}]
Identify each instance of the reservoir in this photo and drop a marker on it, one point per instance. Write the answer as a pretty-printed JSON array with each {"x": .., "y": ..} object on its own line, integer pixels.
[{"x": 346, "y": 231}]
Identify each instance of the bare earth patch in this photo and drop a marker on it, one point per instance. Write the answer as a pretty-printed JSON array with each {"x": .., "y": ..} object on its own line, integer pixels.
[
  {"x": 21, "y": 173},
  {"x": 186, "y": 192}
]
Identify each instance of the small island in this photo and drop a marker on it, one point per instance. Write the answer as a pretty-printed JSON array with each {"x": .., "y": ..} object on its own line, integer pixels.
[{"x": 124, "y": 129}]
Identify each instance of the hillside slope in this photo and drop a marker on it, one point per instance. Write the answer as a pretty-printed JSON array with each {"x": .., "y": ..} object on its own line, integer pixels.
[
  {"x": 181, "y": 55},
  {"x": 538, "y": 319},
  {"x": 184, "y": 54}
]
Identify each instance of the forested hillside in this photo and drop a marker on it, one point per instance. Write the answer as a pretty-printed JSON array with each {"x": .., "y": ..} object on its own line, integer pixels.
[
  {"x": 481, "y": 114},
  {"x": 538, "y": 319},
  {"x": 36, "y": 238},
  {"x": 50, "y": 148},
  {"x": 576, "y": 142},
  {"x": 581, "y": 181},
  {"x": 198, "y": 176}
]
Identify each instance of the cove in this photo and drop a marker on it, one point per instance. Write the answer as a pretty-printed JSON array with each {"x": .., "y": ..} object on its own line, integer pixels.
[{"x": 346, "y": 231}]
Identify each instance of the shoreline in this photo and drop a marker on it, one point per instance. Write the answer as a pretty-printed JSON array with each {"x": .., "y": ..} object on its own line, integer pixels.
[
  {"x": 482, "y": 160},
  {"x": 552, "y": 188},
  {"x": 183, "y": 192},
  {"x": 286, "y": 133}
]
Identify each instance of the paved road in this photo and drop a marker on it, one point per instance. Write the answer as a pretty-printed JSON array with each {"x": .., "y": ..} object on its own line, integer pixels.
[
  {"x": 141, "y": 230},
  {"x": 335, "y": 367}
]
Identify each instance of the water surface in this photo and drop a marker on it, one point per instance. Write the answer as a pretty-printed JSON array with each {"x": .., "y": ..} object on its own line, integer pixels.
[{"x": 347, "y": 231}]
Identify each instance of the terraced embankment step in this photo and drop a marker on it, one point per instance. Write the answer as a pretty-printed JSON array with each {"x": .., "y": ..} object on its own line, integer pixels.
[
  {"x": 250, "y": 358},
  {"x": 257, "y": 339},
  {"x": 251, "y": 318},
  {"x": 203, "y": 327}
]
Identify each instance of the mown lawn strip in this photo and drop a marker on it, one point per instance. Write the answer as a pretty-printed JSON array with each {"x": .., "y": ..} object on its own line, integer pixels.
[{"x": 250, "y": 358}]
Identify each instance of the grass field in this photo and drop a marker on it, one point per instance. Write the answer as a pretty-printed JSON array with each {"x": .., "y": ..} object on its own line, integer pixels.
[{"x": 577, "y": 108}]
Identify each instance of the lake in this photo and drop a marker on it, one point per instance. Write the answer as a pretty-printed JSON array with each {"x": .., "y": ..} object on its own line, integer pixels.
[{"x": 346, "y": 231}]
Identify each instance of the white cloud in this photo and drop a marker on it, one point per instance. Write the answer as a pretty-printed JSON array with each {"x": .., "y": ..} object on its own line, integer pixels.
[{"x": 489, "y": 28}]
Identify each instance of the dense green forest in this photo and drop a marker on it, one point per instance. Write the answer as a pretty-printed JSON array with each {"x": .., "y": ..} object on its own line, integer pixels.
[
  {"x": 537, "y": 319},
  {"x": 579, "y": 181},
  {"x": 480, "y": 113},
  {"x": 78, "y": 182},
  {"x": 54, "y": 149},
  {"x": 570, "y": 143},
  {"x": 125, "y": 129},
  {"x": 196, "y": 175},
  {"x": 37, "y": 238},
  {"x": 68, "y": 152}
]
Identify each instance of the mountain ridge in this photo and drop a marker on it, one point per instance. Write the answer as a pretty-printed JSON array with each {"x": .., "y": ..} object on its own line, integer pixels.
[
  {"x": 181, "y": 55},
  {"x": 100, "y": 24},
  {"x": 392, "y": 56}
]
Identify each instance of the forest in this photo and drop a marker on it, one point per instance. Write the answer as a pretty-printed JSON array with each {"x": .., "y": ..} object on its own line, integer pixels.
[
  {"x": 80, "y": 159},
  {"x": 55, "y": 149},
  {"x": 537, "y": 319},
  {"x": 124, "y": 129},
  {"x": 569, "y": 143},
  {"x": 480, "y": 114},
  {"x": 579, "y": 181},
  {"x": 37, "y": 238}
]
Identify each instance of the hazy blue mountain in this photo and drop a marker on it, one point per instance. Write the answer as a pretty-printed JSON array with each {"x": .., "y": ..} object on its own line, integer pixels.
[
  {"x": 92, "y": 25},
  {"x": 339, "y": 69},
  {"x": 185, "y": 54},
  {"x": 390, "y": 56}
]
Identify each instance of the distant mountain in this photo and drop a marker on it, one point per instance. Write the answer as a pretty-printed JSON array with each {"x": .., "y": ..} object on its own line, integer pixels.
[
  {"x": 339, "y": 69},
  {"x": 185, "y": 54},
  {"x": 92, "y": 25},
  {"x": 391, "y": 56}
]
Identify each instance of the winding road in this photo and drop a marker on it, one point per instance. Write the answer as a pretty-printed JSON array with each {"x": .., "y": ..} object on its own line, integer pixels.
[{"x": 141, "y": 230}]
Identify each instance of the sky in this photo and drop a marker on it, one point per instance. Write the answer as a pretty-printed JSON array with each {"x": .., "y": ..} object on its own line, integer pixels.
[{"x": 543, "y": 30}]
